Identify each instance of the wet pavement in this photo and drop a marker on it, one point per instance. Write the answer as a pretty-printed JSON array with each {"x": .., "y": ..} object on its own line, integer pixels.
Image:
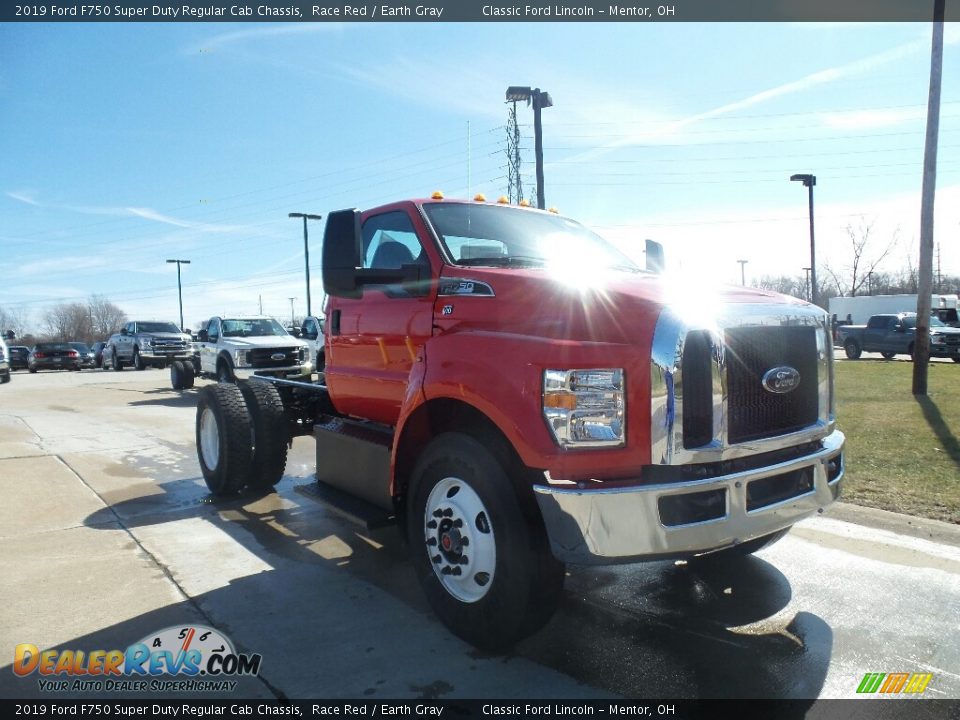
[{"x": 107, "y": 536}]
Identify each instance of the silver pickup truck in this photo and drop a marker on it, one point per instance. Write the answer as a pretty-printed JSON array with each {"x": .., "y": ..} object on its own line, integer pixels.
[{"x": 152, "y": 343}]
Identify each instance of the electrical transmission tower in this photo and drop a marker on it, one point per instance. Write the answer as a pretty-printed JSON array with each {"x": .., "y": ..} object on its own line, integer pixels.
[{"x": 514, "y": 183}]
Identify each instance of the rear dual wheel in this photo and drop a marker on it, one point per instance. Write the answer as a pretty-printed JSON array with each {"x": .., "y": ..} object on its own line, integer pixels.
[
  {"x": 181, "y": 375},
  {"x": 241, "y": 432}
]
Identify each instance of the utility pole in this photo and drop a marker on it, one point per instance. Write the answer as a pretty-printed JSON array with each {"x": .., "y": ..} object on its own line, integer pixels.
[
  {"x": 808, "y": 182},
  {"x": 921, "y": 353},
  {"x": 179, "y": 287},
  {"x": 806, "y": 285},
  {"x": 540, "y": 99},
  {"x": 743, "y": 276},
  {"x": 293, "y": 322},
  {"x": 306, "y": 250}
]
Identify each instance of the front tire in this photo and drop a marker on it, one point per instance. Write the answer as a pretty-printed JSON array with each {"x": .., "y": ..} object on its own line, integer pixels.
[
  {"x": 852, "y": 349},
  {"x": 224, "y": 444},
  {"x": 887, "y": 355},
  {"x": 270, "y": 432},
  {"x": 478, "y": 545},
  {"x": 138, "y": 362},
  {"x": 115, "y": 361},
  {"x": 225, "y": 372}
]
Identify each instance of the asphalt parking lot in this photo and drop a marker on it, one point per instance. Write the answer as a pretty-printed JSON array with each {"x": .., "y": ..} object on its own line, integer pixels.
[{"x": 108, "y": 535}]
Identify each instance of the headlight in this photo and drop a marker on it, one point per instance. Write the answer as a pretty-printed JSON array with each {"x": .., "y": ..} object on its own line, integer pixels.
[
  {"x": 239, "y": 358},
  {"x": 585, "y": 408}
]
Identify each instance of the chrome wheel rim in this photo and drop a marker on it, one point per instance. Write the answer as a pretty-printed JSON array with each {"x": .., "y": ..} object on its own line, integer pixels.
[
  {"x": 209, "y": 439},
  {"x": 459, "y": 540}
]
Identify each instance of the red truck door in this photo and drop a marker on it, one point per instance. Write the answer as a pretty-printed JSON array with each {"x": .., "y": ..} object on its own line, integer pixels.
[{"x": 374, "y": 340}]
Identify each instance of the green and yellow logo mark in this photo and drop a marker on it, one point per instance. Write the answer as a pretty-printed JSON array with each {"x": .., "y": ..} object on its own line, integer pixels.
[{"x": 890, "y": 683}]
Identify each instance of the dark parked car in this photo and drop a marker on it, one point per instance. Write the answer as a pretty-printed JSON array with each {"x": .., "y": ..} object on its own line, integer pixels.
[
  {"x": 86, "y": 354},
  {"x": 98, "y": 353},
  {"x": 18, "y": 357},
  {"x": 53, "y": 356}
]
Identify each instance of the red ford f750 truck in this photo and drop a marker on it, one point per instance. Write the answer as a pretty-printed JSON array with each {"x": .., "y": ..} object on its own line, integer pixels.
[{"x": 517, "y": 394}]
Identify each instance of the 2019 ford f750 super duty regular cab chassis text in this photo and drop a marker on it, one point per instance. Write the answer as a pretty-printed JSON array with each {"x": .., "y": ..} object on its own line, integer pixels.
[{"x": 517, "y": 394}]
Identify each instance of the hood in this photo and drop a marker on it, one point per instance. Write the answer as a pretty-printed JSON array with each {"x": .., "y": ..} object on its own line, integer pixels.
[
  {"x": 166, "y": 336},
  {"x": 617, "y": 307}
]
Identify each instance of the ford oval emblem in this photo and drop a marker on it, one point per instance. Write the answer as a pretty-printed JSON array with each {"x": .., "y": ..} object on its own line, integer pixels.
[
  {"x": 781, "y": 380},
  {"x": 281, "y": 356}
]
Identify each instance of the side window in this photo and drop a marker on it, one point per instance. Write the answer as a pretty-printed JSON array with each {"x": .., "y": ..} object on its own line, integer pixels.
[
  {"x": 879, "y": 322},
  {"x": 213, "y": 330},
  {"x": 310, "y": 328},
  {"x": 390, "y": 242},
  {"x": 131, "y": 327}
]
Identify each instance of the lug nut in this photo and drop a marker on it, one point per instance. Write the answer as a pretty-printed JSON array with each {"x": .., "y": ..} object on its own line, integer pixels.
[
  {"x": 446, "y": 512},
  {"x": 436, "y": 559},
  {"x": 432, "y": 524},
  {"x": 464, "y": 541},
  {"x": 458, "y": 523},
  {"x": 447, "y": 570},
  {"x": 438, "y": 513},
  {"x": 464, "y": 560},
  {"x": 431, "y": 541},
  {"x": 455, "y": 571}
]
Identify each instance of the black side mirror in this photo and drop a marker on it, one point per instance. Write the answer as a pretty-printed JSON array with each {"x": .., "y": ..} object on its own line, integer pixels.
[
  {"x": 124, "y": 332},
  {"x": 654, "y": 252},
  {"x": 342, "y": 248},
  {"x": 202, "y": 336}
]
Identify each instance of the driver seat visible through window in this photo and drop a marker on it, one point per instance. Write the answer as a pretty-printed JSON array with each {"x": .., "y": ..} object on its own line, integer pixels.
[{"x": 391, "y": 255}]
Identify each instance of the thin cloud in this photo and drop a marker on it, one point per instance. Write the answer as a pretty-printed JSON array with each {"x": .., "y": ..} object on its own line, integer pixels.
[
  {"x": 260, "y": 33},
  {"x": 23, "y": 197},
  {"x": 150, "y": 214}
]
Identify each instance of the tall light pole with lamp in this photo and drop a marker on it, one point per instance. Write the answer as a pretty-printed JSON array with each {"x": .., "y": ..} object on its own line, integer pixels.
[
  {"x": 539, "y": 99},
  {"x": 808, "y": 182},
  {"x": 743, "y": 276},
  {"x": 180, "y": 288},
  {"x": 306, "y": 250}
]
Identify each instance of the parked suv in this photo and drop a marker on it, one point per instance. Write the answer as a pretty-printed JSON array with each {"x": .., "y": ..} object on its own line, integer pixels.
[
  {"x": 145, "y": 344},
  {"x": 17, "y": 356}
]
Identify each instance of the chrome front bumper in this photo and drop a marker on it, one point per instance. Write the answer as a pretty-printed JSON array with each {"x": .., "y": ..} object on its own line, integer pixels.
[
  {"x": 243, "y": 373},
  {"x": 624, "y": 524}
]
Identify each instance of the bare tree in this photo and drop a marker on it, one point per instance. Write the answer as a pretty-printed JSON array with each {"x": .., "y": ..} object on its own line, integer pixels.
[
  {"x": 15, "y": 320},
  {"x": 106, "y": 318},
  {"x": 850, "y": 279}
]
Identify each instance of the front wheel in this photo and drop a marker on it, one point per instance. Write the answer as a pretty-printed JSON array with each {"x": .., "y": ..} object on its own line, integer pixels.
[
  {"x": 887, "y": 355},
  {"x": 115, "y": 361},
  {"x": 225, "y": 372},
  {"x": 138, "y": 362},
  {"x": 852, "y": 349},
  {"x": 478, "y": 545}
]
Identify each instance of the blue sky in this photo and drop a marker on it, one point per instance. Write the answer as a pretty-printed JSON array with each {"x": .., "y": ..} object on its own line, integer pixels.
[{"x": 127, "y": 144}]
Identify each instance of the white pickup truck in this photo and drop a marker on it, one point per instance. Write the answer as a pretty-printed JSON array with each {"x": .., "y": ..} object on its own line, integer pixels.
[{"x": 241, "y": 346}]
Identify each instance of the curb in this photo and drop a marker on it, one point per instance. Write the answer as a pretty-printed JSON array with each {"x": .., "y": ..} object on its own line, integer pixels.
[{"x": 918, "y": 527}]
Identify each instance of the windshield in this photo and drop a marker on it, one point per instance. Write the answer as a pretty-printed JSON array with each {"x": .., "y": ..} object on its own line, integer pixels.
[
  {"x": 80, "y": 347},
  {"x": 501, "y": 236},
  {"x": 252, "y": 327},
  {"x": 910, "y": 321},
  {"x": 157, "y": 327}
]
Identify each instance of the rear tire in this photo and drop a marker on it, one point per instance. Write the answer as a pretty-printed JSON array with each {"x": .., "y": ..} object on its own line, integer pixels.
[
  {"x": 887, "y": 355},
  {"x": 852, "y": 349},
  {"x": 224, "y": 443},
  {"x": 478, "y": 545},
  {"x": 177, "y": 376},
  {"x": 188, "y": 375},
  {"x": 270, "y": 432},
  {"x": 956, "y": 358}
]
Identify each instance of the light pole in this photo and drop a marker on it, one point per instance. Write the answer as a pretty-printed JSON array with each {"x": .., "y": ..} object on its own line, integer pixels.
[
  {"x": 306, "y": 250},
  {"x": 743, "y": 276},
  {"x": 806, "y": 286},
  {"x": 808, "y": 182},
  {"x": 540, "y": 99},
  {"x": 179, "y": 287},
  {"x": 292, "y": 321}
]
